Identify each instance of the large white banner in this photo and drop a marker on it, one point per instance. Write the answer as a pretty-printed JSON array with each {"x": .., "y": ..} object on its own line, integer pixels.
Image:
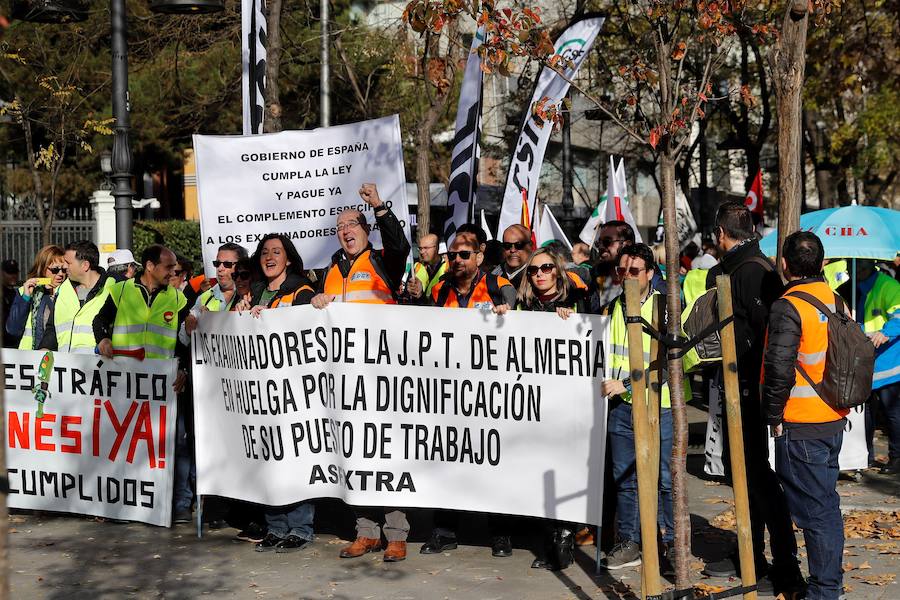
[
  {"x": 573, "y": 45},
  {"x": 105, "y": 444},
  {"x": 296, "y": 183},
  {"x": 403, "y": 406}
]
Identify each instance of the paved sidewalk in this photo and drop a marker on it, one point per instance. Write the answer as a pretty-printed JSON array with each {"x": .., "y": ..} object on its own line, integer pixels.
[{"x": 76, "y": 557}]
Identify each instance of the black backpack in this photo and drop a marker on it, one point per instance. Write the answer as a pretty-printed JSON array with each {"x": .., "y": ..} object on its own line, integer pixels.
[{"x": 849, "y": 359}]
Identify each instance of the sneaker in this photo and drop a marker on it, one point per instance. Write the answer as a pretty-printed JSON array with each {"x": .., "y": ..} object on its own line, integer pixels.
[
  {"x": 291, "y": 543},
  {"x": 183, "y": 515},
  {"x": 625, "y": 554},
  {"x": 254, "y": 532},
  {"x": 727, "y": 567},
  {"x": 891, "y": 468},
  {"x": 268, "y": 543}
]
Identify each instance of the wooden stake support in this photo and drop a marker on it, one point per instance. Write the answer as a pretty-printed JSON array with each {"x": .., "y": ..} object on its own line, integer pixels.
[
  {"x": 736, "y": 437},
  {"x": 648, "y": 486}
]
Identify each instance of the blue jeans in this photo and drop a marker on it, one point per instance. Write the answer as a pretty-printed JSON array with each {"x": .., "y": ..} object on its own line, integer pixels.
[
  {"x": 621, "y": 438},
  {"x": 808, "y": 471},
  {"x": 185, "y": 466},
  {"x": 889, "y": 399},
  {"x": 293, "y": 519}
]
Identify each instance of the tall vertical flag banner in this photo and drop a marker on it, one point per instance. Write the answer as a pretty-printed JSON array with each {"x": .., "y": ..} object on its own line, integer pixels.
[
  {"x": 687, "y": 224},
  {"x": 754, "y": 199},
  {"x": 464, "y": 161},
  {"x": 525, "y": 217},
  {"x": 549, "y": 230},
  {"x": 253, "y": 64},
  {"x": 573, "y": 46},
  {"x": 486, "y": 227},
  {"x": 617, "y": 208},
  {"x": 589, "y": 231}
]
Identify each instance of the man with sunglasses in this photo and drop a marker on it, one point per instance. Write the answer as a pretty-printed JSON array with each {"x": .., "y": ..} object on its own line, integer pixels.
[
  {"x": 466, "y": 286},
  {"x": 223, "y": 295},
  {"x": 431, "y": 265},
  {"x": 635, "y": 261},
  {"x": 121, "y": 265},
  {"x": 517, "y": 247}
]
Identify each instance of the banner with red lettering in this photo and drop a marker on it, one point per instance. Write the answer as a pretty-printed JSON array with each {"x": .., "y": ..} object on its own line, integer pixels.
[{"x": 101, "y": 443}]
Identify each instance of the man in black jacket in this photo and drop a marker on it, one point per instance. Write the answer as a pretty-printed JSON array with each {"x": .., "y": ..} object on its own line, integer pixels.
[{"x": 755, "y": 285}]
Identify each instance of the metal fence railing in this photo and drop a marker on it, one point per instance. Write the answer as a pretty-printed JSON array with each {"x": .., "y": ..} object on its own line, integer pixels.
[{"x": 21, "y": 240}]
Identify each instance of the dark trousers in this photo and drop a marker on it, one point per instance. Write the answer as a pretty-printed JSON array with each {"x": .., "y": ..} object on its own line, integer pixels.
[
  {"x": 768, "y": 505},
  {"x": 808, "y": 470},
  {"x": 887, "y": 399},
  {"x": 293, "y": 519},
  {"x": 622, "y": 455}
]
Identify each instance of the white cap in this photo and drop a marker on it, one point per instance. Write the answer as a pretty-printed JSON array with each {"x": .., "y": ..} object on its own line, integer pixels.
[
  {"x": 120, "y": 257},
  {"x": 704, "y": 261},
  {"x": 442, "y": 248}
]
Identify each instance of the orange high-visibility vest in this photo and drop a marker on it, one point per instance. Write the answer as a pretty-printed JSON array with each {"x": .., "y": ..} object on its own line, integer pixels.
[
  {"x": 576, "y": 281},
  {"x": 288, "y": 299},
  {"x": 804, "y": 405},
  {"x": 362, "y": 285},
  {"x": 481, "y": 296}
]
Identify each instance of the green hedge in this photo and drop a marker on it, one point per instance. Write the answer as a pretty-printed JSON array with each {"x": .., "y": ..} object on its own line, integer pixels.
[{"x": 182, "y": 237}]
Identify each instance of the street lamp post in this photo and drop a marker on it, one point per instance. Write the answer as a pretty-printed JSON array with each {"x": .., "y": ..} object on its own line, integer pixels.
[
  {"x": 122, "y": 161},
  {"x": 122, "y": 156}
]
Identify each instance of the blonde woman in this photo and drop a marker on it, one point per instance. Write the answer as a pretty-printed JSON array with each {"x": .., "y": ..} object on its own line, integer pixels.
[{"x": 33, "y": 304}]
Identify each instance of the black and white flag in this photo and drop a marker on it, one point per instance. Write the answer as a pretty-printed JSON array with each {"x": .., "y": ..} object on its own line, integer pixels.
[
  {"x": 573, "y": 44},
  {"x": 464, "y": 161},
  {"x": 253, "y": 64}
]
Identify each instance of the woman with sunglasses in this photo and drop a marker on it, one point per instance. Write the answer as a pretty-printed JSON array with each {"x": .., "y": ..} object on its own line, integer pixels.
[
  {"x": 548, "y": 287},
  {"x": 33, "y": 304}
]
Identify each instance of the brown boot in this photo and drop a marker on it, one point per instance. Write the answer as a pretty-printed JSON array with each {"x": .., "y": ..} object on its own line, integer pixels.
[
  {"x": 360, "y": 546},
  {"x": 395, "y": 552}
]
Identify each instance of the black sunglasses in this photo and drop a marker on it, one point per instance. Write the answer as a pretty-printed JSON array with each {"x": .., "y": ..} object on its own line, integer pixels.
[
  {"x": 224, "y": 263},
  {"x": 633, "y": 271},
  {"x": 518, "y": 245},
  {"x": 607, "y": 242},
  {"x": 177, "y": 272},
  {"x": 463, "y": 254},
  {"x": 545, "y": 268},
  {"x": 242, "y": 275},
  {"x": 57, "y": 270}
]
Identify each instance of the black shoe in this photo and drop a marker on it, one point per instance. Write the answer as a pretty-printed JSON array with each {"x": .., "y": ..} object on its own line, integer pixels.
[
  {"x": 268, "y": 543},
  {"x": 501, "y": 546},
  {"x": 438, "y": 543},
  {"x": 667, "y": 559},
  {"x": 563, "y": 547},
  {"x": 891, "y": 468},
  {"x": 543, "y": 563},
  {"x": 254, "y": 532},
  {"x": 291, "y": 543},
  {"x": 727, "y": 567},
  {"x": 217, "y": 524},
  {"x": 183, "y": 515}
]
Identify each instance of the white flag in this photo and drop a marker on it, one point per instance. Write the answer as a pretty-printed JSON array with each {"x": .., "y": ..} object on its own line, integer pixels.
[
  {"x": 573, "y": 44},
  {"x": 486, "y": 227},
  {"x": 687, "y": 225},
  {"x": 589, "y": 231},
  {"x": 550, "y": 230},
  {"x": 253, "y": 64},
  {"x": 464, "y": 160},
  {"x": 617, "y": 208}
]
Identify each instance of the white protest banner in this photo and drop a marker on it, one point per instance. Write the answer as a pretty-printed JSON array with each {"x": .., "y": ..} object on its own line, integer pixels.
[
  {"x": 296, "y": 183},
  {"x": 106, "y": 441},
  {"x": 403, "y": 406},
  {"x": 854, "y": 454}
]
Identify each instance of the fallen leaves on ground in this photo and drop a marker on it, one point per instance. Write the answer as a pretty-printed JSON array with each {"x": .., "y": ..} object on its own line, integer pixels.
[
  {"x": 872, "y": 524},
  {"x": 883, "y": 579},
  {"x": 852, "y": 567},
  {"x": 702, "y": 590},
  {"x": 725, "y": 520}
]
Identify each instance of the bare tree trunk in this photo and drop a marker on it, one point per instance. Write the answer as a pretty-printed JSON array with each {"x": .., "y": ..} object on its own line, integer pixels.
[
  {"x": 788, "y": 64},
  {"x": 816, "y": 144},
  {"x": 676, "y": 379},
  {"x": 423, "y": 168},
  {"x": 272, "y": 122}
]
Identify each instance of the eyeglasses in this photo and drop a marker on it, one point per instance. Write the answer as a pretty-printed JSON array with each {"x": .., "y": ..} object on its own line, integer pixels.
[
  {"x": 344, "y": 226},
  {"x": 242, "y": 275},
  {"x": 517, "y": 245},
  {"x": 463, "y": 254},
  {"x": 178, "y": 272},
  {"x": 607, "y": 242},
  {"x": 545, "y": 268},
  {"x": 224, "y": 263},
  {"x": 633, "y": 271},
  {"x": 421, "y": 248},
  {"x": 57, "y": 270}
]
